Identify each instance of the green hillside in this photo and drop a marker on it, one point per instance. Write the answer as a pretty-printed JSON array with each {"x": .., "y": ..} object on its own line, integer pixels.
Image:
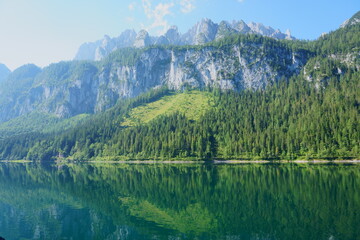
[
  {"x": 193, "y": 104},
  {"x": 38, "y": 122},
  {"x": 309, "y": 116}
]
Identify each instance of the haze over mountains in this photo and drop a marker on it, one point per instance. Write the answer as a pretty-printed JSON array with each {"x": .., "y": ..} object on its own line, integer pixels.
[
  {"x": 203, "y": 32},
  {"x": 243, "y": 59}
]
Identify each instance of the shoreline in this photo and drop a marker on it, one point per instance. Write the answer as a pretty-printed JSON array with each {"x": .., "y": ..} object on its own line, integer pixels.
[{"x": 352, "y": 161}]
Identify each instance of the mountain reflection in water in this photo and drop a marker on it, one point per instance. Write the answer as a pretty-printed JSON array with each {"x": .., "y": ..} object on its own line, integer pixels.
[{"x": 169, "y": 201}]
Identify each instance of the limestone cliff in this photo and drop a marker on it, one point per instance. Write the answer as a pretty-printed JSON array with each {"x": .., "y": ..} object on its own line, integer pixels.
[{"x": 70, "y": 88}]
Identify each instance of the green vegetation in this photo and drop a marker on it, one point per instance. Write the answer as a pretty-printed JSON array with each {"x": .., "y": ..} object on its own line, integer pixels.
[
  {"x": 59, "y": 73},
  {"x": 291, "y": 120},
  {"x": 192, "y": 219},
  {"x": 193, "y": 104},
  {"x": 38, "y": 122},
  {"x": 18, "y": 81},
  {"x": 125, "y": 56},
  {"x": 343, "y": 40},
  {"x": 190, "y": 202},
  {"x": 297, "y": 117}
]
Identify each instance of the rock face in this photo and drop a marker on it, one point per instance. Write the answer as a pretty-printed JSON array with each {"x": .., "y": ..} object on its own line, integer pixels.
[
  {"x": 142, "y": 39},
  {"x": 224, "y": 29},
  {"x": 203, "y": 32},
  {"x": 4, "y": 72},
  {"x": 87, "y": 51},
  {"x": 70, "y": 88},
  {"x": 173, "y": 36},
  {"x": 101, "y": 48},
  {"x": 352, "y": 21},
  {"x": 241, "y": 62},
  {"x": 269, "y": 32}
]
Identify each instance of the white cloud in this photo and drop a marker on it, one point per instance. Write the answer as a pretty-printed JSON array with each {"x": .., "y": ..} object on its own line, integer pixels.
[
  {"x": 187, "y": 5},
  {"x": 157, "y": 15},
  {"x": 132, "y": 6}
]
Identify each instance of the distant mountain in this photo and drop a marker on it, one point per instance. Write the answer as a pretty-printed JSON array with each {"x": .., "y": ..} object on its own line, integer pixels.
[
  {"x": 99, "y": 49},
  {"x": 18, "y": 83},
  {"x": 4, "y": 72},
  {"x": 142, "y": 39},
  {"x": 203, "y": 32}
]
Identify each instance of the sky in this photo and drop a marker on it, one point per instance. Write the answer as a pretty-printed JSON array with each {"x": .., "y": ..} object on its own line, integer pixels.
[{"x": 49, "y": 31}]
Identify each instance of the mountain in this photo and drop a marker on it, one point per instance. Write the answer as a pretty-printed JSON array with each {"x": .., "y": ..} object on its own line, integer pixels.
[
  {"x": 259, "y": 98},
  {"x": 4, "y": 72},
  {"x": 355, "y": 19},
  {"x": 99, "y": 49},
  {"x": 235, "y": 61},
  {"x": 70, "y": 88},
  {"x": 203, "y": 32},
  {"x": 18, "y": 83},
  {"x": 142, "y": 39}
]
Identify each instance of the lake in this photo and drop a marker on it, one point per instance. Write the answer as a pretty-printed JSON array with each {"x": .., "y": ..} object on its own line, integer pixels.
[{"x": 179, "y": 201}]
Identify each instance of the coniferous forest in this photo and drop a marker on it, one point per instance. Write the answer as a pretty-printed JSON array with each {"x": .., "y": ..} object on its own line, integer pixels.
[
  {"x": 295, "y": 118},
  {"x": 290, "y": 120}
]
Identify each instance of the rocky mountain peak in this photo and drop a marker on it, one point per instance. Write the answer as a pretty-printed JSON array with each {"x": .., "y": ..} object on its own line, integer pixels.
[
  {"x": 162, "y": 40},
  {"x": 241, "y": 27},
  {"x": 107, "y": 43},
  {"x": 205, "y": 31},
  {"x": 142, "y": 39},
  {"x": 202, "y": 32},
  {"x": 106, "y": 39},
  {"x": 126, "y": 38},
  {"x": 352, "y": 21},
  {"x": 224, "y": 29},
  {"x": 261, "y": 29},
  {"x": 173, "y": 35},
  {"x": 288, "y": 34}
]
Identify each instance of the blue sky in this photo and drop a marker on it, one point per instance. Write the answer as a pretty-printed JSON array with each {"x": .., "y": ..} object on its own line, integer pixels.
[{"x": 46, "y": 31}]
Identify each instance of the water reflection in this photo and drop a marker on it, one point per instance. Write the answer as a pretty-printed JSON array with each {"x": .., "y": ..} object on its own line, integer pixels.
[{"x": 107, "y": 201}]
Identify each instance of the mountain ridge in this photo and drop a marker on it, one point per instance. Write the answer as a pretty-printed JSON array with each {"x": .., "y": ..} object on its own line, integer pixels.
[
  {"x": 70, "y": 88},
  {"x": 273, "y": 100},
  {"x": 234, "y": 62},
  {"x": 202, "y": 32},
  {"x": 355, "y": 19}
]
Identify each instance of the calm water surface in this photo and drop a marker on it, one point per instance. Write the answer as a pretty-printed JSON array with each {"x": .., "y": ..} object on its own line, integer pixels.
[{"x": 231, "y": 202}]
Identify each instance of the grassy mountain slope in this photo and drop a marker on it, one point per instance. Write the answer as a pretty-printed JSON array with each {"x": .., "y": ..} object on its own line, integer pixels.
[{"x": 193, "y": 104}]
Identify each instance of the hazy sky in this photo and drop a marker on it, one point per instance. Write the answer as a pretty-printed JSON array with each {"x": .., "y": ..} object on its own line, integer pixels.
[{"x": 46, "y": 31}]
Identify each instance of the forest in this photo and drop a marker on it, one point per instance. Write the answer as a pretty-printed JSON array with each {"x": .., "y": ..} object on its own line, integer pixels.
[
  {"x": 290, "y": 120},
  {"x": 308, "y": 116}
]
